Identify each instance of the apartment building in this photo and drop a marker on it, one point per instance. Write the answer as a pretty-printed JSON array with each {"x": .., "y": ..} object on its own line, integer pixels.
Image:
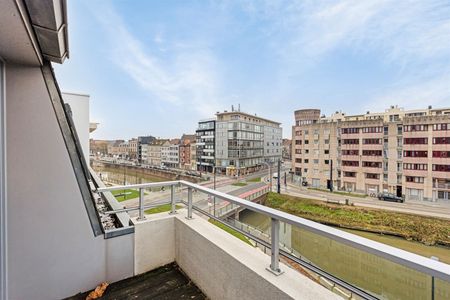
[
  {"x": 244, "y": 142},
  {"x": 153, "y": 152},
  {"x": 185, "y": 151},
  {"x": 170, "y": 154},
  {"x": 405, "y": 152},
  {"x": 143, "y": 140},
  {"x": 99, "y": 146},
  {"x": 205, "y": 141}
]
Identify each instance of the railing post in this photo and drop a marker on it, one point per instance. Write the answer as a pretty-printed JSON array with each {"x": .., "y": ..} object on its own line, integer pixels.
[
  {"x": 141, "y": 205},
  {"x": 275, "y": 248},
  {"x": 189, "y": 212},
  {"x": 173, "y": 209}
]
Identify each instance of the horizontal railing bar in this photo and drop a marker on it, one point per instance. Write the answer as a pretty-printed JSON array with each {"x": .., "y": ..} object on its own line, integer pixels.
[
  {"x": 298, "y": 260},
  {"x": 396, "y": 255},
  {"x": 405, "y": 258},
  {"x": 110, "y": 212},
  {"x": 138, "y": 186}
]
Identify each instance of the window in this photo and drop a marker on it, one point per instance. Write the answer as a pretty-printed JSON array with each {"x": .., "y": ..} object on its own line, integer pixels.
[
  {"x": 415, "y": 153},
  {"x": 297, "y": 142},
  {"x": 399, "y": 129},
  {"x": 349, "y": 130},
  {"x": 316, "y": 161},
  {"x": 371, "y": 164},
  {"x": 350, "y": 141},
  {"x": 350, "y": 152},
  {"x": 349, "y": 174},
  {"x": 371, "y": 152},
  {"x": 441, "y": 153},
  {"x": 441, "y": 127},
  {"x": 350, "y": 163},
  {"x": 415, "y": 141},
  {"x": 306, "y": 161},
  {"x": 326, "y": 142},
  {"x": 371, "y": 141},
  {"x": 409, "y": 166},
  {"x": 372, "y": 176},
  {"x": 327, "y": 162},
  {"x": 441, "y": 168},
  {"x": 326, "y": 151},
  {"x": 414, "y": 179},
  {"x": 419, "y": 127},
  {"x": 306, "y": 142},
  {"x": 372, "y": 129},
  {"x": 441, "y": 140},
  {"x": 298, "y": 160}
]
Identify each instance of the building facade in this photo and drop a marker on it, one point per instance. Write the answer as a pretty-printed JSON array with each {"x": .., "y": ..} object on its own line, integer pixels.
[
  {"x": 143, "y": 140},
  {"x": 287, "y": 149},
  {"x": 185, "y": 151},
  {"x": 245, "y": 142},
  {"x": 154, "y": 151},
  {"x": 170, "y": 154},
  {"x": 205, "y": 141},
  {"x": 398, "y": 151}
]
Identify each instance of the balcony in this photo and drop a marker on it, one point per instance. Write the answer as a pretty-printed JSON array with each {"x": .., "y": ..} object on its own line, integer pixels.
[{"x": 224, "y": 267}]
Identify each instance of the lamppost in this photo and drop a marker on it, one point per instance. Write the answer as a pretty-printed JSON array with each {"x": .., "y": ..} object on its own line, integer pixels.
[{"x": 269, "y": 166}]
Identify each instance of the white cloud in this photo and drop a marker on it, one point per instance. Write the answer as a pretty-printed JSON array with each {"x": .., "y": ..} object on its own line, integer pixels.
[{"x": 188, "y": 77}]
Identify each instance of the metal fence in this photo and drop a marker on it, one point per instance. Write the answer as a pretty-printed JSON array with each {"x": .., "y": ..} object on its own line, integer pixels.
[{"x": 424, "y": 265}]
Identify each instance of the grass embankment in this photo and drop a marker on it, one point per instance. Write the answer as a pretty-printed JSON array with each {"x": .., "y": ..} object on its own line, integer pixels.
[
  {"x": 339, "y": 192},
  {"x": 426, "y": 230},
  {"x": 239, "y": 184},
  {"x": 257, "y": 179},
  {"x": 160, "y": 209},
  {"x": 127, "y": 194},
  {"x": 231, "y": 231}
]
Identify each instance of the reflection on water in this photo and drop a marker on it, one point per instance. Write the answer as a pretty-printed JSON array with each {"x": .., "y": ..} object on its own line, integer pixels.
[{"x": 381, "y": 277}]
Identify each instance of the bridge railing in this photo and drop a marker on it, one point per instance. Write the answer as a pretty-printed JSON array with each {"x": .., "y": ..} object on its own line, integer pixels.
[{"x": 437, "y": 272}]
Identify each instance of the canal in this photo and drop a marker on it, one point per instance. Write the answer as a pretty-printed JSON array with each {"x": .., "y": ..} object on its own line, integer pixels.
[
  {"x": 384, "y": 279},
  {"x": 124, "y": 176}
]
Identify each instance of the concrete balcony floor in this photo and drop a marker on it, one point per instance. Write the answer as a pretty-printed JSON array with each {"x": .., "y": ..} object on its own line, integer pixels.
[{"x": 167, "y": 282}]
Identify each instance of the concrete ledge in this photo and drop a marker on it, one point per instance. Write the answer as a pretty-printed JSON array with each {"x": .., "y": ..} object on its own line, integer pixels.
[
  {"x": 154, "y": 244},
  {"x": 226, "y": 268}
]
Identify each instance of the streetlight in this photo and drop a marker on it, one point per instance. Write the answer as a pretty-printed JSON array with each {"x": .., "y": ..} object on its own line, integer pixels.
[{"x": 269, "y": 166}]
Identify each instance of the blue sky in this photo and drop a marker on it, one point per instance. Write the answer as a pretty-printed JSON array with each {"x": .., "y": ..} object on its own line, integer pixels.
[{"x": 157, "y": 67}]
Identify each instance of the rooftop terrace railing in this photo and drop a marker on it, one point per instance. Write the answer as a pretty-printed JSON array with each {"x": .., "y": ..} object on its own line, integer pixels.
[{"x": 429, "y": 267}]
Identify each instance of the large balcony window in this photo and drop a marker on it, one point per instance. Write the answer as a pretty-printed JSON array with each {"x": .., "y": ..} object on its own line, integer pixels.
[
  {"x": 372, "y": 176},
  {"x": 372, "y": 153},
  {"x": 441, "y": 140},
  {"x": 372, "y": 141},
  {"x": 371, "y": 164},
  {"x": 415, "y": 153},
  {"x": 350, "y": 141},
  {"x": 415, "y": 141},
  {"x": 349, "y": 174},
  {"x": 377, "y": 129},
  {"x": 441, "y": 154},
  {"x": 441, "y": 168},
  {"x": 350, "y": 152},
  {"x": 422, "y": 167},
  {"x": 418, "y": 127},
  {"x": 415, "y": 179},
  {"x": 444, "y": 126},
  {"x": 349, "y": 130},
  {"x": 350, "y": 163}
]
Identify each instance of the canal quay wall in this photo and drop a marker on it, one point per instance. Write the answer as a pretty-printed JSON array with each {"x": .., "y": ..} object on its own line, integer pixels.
[{"x": 166, "y": 174}]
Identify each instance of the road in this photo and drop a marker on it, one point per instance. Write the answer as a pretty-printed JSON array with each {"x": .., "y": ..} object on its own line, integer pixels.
[{"x": 418, "y": 208}]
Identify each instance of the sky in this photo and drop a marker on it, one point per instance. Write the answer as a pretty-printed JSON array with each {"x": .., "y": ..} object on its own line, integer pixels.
[{"x": 158, "y": 67}]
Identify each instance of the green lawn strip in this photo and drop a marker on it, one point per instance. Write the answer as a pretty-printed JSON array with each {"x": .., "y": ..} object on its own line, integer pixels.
[
  {"x": 231, "y": 231},
  {"x": 339, "y": 192},
  {"x": 257, "y": 179},
  {"x": 239, "y": 184},
  {"x": 160, "y": 209},
  {"x": 129, "y": 194},
  {"x": 427, "y": 230}
]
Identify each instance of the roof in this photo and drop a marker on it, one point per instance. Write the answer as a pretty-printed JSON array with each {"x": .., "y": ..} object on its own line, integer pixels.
[
  {"x": 247, "y": 115},
  {"x": 158, "y": 142}
]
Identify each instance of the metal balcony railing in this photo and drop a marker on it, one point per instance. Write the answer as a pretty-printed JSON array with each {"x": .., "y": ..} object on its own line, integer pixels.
[{"x": 427, "y": 266}]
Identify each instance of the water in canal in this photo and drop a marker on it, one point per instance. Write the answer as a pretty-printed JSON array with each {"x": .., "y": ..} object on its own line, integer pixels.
[
  {"x": 382, "y": 278},
  {"x": 124, "y": 176}
]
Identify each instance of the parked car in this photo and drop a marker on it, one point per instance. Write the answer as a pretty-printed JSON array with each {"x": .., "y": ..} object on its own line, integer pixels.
[{"x": 390, "y": 197}]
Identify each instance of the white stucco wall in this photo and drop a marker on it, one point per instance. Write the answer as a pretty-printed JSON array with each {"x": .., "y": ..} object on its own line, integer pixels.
[{"x": 79, "y": 103}]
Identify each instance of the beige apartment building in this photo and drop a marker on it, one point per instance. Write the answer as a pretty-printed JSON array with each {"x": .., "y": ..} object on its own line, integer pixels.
[
  {"x": 153, "y": 152},
  {"x": 405, "y": 152}
]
